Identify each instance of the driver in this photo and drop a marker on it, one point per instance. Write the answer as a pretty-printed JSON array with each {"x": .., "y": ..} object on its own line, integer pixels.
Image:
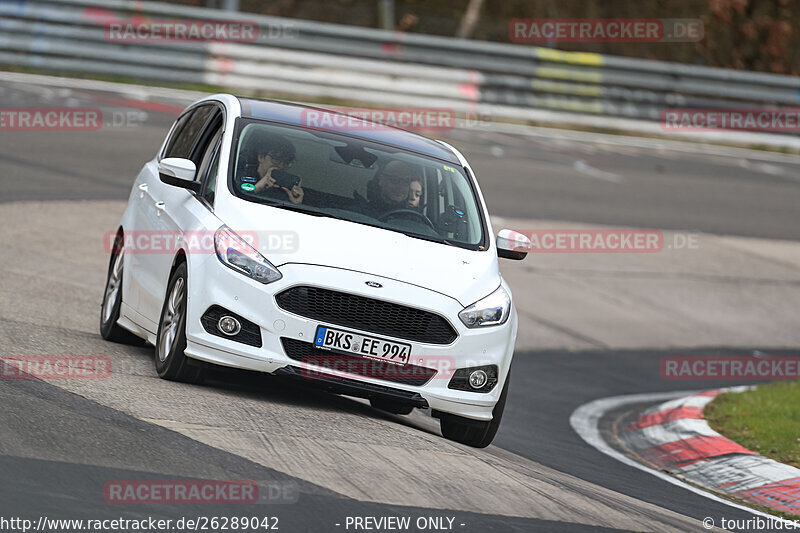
[{"x": 393, "y": 185}]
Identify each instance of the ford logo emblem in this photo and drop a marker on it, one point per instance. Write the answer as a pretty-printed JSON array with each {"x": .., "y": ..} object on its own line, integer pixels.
[{"x": 373, "y": 284}]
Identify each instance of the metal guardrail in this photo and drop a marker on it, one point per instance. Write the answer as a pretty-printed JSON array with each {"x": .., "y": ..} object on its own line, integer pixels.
[{"x": 374, "y": 66}]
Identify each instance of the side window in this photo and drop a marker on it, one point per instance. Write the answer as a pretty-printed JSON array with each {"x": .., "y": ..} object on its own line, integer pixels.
[
  {"x": 207, "y": 170},
  {"x": 208, "y": 152},
  {"x": 179, "y": 125},
  {"x": 211, "y": 179},
  {"x": 183, "y": 142}
]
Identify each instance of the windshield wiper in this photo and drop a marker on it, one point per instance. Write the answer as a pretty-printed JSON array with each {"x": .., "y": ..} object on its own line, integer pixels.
[
  {"x": 440, "y": 240},
  {"x": 431, "y": 238}
]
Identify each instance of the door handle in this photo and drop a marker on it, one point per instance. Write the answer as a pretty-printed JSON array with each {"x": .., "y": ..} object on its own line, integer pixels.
[
  {"x": 160, "y": 206},
  {"x": 142, "y": 189}
]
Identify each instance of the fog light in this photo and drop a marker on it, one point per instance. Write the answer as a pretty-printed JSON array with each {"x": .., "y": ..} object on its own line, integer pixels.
[
  {"x": 229, "y": 326},
  {"x": 218, "y": 321},
  {"x": 478, "y": 379},
  {"x": 481, "y": 379}
]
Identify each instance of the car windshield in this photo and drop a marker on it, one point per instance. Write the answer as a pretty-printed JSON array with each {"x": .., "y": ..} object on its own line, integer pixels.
[{"x": 329, "y": 174}]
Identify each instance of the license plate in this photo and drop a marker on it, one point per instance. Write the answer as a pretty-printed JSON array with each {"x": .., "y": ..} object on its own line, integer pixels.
[{"x": 363, "y": 345}]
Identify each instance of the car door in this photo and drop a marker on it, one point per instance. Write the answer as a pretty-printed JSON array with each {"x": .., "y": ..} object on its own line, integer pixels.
[
  {"x": 142, "y": 203},
  {"x": 169, "y": 212}
]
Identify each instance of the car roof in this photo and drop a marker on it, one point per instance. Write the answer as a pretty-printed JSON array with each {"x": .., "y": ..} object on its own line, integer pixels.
[{"x": 294, "y": 114}]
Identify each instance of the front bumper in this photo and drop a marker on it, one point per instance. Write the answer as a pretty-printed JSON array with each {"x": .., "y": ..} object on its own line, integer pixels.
[{"x": 211, "y": 283}]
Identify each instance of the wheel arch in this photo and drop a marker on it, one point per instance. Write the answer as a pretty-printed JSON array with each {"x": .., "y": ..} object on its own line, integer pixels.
[{"x": 179, "y": 259}]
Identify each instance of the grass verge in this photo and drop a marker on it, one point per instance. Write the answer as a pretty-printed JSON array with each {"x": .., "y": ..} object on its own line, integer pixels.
[{"x": 765, "y": 420}]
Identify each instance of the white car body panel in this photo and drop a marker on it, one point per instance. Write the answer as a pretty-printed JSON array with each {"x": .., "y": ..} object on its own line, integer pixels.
[
  {"x": 333, "y": 254},
  {"x": 465, "y": 275}
]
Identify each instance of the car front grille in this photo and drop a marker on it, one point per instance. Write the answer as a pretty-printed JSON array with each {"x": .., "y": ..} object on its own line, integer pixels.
[
  {"x": 367, "y": 314},
  {"x": 306, "y": 352}
]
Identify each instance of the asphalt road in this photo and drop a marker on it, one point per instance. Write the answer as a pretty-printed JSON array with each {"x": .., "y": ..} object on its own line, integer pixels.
[
  {"x": 59, "y": 448},
  {"x": 548, "y": 178},
  {"x": 61, "y": 441}
]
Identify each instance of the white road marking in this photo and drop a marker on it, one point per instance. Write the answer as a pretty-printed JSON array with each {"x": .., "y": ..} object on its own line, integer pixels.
[
  {"x": 584, "y": 168},
  {"x": 735, "y": 473},
  {"x": 694, "y": 401},
  {"x": 659, "y": 145},
  {"x": 764, "y": 168},
  {"x": 668, "y": 432},
  {"x": 141, "y": 92}
]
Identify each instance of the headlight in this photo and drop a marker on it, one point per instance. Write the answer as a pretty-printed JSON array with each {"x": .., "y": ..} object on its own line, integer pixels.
[
  {"x": 235, "y": 253},
  {"x": 490, "y": 311}
]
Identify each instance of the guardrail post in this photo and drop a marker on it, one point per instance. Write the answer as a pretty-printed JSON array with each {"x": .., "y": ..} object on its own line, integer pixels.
[
  {"x": 386, "y": 14},
  {"x": 225, "y": 5}
]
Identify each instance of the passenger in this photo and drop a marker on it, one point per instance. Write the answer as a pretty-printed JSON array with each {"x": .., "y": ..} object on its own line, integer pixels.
[
  {"x": 415, "y": 193},
  {"x": 275, "y": 153}
]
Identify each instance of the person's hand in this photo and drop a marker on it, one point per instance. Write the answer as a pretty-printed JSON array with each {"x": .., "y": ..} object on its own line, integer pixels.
[
  {"x": 296, "y": 193},
  {"x": 267, "y": 182}
]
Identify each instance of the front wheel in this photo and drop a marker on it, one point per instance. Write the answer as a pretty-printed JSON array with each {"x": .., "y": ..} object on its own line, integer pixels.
[
  {"x": 473, "y": 432},
  {"x": 171, "y": 362}
]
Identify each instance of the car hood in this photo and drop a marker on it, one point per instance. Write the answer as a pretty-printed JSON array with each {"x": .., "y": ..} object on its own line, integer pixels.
[{"x": 284, "y": 237}]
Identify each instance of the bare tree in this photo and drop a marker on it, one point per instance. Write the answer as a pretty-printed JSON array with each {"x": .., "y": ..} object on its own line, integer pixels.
[{"x": 470, "y": 19}]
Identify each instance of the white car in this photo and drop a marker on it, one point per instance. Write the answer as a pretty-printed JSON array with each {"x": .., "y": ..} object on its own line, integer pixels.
[{"x": 361, "y": 261}]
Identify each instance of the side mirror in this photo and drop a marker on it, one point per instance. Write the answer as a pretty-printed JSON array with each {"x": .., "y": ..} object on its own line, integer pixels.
[
  {"x": 179, "y": 172},
  {"x": 512, "y": 244}
]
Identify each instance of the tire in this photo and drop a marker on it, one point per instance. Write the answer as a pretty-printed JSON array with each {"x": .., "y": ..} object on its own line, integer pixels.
[
  {"x": 112, "y": 300},
  {"x": 472, "y": 432},
  {"x": 171, "y": 361},
  {"x": 390, "y": 406}
]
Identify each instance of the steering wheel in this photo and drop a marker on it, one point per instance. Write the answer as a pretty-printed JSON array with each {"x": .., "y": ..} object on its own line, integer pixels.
[{"x": 402, "y": 213}]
